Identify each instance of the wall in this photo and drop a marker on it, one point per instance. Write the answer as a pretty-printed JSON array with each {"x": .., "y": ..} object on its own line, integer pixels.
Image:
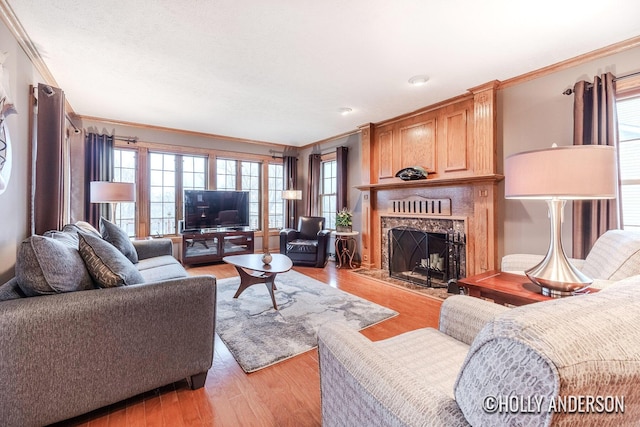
[
  {"x": 533, "y": 115},
  {"x": 14, "y": 202}
]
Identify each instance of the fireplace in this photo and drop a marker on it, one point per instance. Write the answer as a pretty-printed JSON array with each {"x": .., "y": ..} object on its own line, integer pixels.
[
  {"x": 424, "y": 258},
  {"x": 447, "y": 239}
]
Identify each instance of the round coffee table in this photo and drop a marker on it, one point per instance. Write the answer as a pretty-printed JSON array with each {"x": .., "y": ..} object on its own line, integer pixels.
[{"x": 260, "y": 272}]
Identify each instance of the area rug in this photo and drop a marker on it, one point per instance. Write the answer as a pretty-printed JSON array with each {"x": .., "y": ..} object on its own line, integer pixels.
[{"x": 259, "y": 336}]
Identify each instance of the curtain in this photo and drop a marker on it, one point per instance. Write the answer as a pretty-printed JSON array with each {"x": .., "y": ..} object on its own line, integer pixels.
[
  {"x": 98, "y": 167},
  {"x": 342, "y": 190},
  {"x": 290, "y": 164},
  {"x": 47, "y": 195},
  {"x": 313, "y": 185},
  {"x": 595, "y": 123}
]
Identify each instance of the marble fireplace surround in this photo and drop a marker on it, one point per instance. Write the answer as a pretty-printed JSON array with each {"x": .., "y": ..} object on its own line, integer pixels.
[{"x": 426, "y": 224}]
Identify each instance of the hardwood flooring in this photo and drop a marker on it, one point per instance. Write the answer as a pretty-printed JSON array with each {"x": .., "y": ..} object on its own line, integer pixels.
[{"x": 286, "y": 394}]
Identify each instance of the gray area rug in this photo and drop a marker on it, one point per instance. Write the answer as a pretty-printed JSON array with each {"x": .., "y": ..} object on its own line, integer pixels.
[{"x": 259, "y": 336}]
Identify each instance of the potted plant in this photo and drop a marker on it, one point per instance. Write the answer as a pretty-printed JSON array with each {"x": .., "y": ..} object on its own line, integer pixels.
[{"x": 344, "y": 220}]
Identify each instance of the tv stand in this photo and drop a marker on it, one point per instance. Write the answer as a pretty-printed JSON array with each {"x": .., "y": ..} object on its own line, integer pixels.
[{"x": 211, "y": 245}]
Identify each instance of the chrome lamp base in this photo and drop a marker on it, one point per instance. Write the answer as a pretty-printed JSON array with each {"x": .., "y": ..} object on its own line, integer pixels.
[{"x": 554, "y": 274}]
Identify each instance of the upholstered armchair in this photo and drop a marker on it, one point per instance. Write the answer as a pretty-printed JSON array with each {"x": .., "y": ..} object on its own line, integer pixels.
[
  {"x": 483, "y": 356},
  {"x": 308, "y": 244},
  {"x": 614, "y": 256}
]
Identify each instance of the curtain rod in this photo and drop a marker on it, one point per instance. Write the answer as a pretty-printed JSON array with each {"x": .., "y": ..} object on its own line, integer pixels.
[
  {"x": 615, "y": 79},
  {"x": 127, "y": 139},
  {"x": 274, "y": 152}
]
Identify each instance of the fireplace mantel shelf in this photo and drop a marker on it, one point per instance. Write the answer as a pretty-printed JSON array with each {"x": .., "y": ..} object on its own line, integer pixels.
[{"x": 435, "y": 182}]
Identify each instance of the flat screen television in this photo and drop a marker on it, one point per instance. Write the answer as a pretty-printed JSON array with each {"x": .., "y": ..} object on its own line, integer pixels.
[{"x": 215, "y": 209}]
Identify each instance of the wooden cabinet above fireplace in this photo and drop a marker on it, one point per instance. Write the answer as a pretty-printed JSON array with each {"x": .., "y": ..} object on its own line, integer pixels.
[{"x": 456, "y": 142}]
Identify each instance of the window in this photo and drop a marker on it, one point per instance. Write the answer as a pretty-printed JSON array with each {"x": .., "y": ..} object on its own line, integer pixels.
[
  {"x": 162, "y": 195},
  {"x": 124, "y": 170},
  {"x": 276, "y": 204},
  {"x": 251, "y": 182},
  {"x": 227, "y": 178},
  {"x": 629, "y": 151},
  {"x": 226, "y": 174},
  {"x": 160, "y": 203},
  {"x": 194, "y": 173},
  {"x": 328, "y": 189}
]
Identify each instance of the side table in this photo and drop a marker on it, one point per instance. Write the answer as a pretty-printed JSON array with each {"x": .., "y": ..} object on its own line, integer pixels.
[
  {"x": 503, "y": 288},
  {"x": 346, "y": 246}
]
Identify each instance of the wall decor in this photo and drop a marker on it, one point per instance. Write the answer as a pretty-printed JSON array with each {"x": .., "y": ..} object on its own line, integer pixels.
[{"x": 6, "y": 108}]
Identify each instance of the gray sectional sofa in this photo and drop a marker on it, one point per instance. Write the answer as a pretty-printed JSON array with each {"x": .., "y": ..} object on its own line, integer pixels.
[{"x": 64, "y": 353}]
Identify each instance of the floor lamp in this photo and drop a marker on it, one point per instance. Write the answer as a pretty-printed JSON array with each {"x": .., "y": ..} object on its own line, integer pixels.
[
  {"x": 558, "y": 174},
  {"x": 290, "y": 196},
  {"x": 113, "y": 193}
]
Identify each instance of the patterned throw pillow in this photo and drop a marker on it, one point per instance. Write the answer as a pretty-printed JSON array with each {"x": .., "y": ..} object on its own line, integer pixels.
[
  {"x": 118, "y": 238},
  {"x": 106, "y": 264},
  {"x": 47, "y": 266}
]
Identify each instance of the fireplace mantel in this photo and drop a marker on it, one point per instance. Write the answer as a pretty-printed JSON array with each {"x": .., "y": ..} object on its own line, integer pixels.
[{"x": 420, "y": 183}]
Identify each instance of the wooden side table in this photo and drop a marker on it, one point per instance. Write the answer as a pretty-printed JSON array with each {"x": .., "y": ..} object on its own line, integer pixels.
[
  {"x": 346, "y": 246},
  {"x": 503, "y": 288}
]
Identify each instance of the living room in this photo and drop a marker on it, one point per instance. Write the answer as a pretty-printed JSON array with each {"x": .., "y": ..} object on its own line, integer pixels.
[{"x": 531, "y": 113}]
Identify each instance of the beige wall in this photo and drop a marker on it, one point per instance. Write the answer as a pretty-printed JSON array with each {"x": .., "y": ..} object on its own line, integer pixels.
[
  {"x": 534, "y": 115},
  {"x": 14, "y": 217}
]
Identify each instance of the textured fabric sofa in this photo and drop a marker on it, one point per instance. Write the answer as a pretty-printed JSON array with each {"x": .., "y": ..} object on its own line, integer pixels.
[
  {"x": 489, "y": 365},
  {"x": 68, "y": 353},
  {"x": 614, "y": 256}
]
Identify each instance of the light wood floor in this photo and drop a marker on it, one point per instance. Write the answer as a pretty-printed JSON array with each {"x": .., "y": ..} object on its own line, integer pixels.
[{"x": 286, "y": 394}]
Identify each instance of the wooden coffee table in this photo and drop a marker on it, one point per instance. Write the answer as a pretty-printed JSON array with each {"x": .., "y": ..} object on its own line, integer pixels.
[
  {"x": 503, "y": 288},
  {"x": 260, "y": 272}
]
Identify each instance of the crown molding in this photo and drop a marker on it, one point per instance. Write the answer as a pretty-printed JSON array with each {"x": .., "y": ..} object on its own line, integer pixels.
[
  {"x": 179, "y": 131},
  {"x": 13, "y": 23},
  {"x": 572, "y": 62}
]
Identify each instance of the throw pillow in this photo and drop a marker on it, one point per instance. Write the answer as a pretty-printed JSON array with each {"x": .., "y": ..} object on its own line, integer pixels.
[
  {"x": 68, "y": 238},
  {"x": 106, "y": 264},
  {"x": 118, "y": 238},
  {"x": 87, "y": 228},
  {"x": 46, "y": 266}
]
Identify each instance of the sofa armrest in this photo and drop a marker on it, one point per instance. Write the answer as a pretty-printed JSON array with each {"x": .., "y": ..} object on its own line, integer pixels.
[
  {"x": 287, "y": 235},
  {"x": 361, "y": 385},
  {"x": 153, "y": 247},
  {"x": 462, "y": 317},
  {"x": 518, "y": 263},
  {"x": 67, "y": 354}
]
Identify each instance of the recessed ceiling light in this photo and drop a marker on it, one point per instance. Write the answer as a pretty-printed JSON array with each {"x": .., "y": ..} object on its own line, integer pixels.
[
  {"x": 344, "y": 110},
  {"x": 419, "y": 80}
]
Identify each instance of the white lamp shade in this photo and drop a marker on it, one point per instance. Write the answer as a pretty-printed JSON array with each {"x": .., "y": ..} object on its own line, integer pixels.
[
  {"x": 568, "y": 172},
  {"x": 112, "y": 192},
  {"x": 292, "y": 194}
]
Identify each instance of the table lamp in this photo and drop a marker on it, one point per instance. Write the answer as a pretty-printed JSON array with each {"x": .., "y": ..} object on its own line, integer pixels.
[
  {"x": 112, "y": 192},
  {"x": 558, "y": 174}
]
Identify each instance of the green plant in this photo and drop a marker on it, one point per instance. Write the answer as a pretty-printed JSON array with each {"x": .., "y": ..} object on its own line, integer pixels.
[{"x": 344, "y": 218}]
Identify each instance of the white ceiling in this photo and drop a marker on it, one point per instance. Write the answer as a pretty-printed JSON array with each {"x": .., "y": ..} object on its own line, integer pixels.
[{"x": 279, "y": 70}]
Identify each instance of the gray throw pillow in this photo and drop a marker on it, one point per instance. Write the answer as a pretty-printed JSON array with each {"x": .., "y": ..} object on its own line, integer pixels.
[
  {"x": 11, "y": 290},
  {"x": 118, "y": 238},
  {"x": 68, "y": 238},
  {"x": 46, "y": 266},
  {"x": 106, "y": 264}
]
